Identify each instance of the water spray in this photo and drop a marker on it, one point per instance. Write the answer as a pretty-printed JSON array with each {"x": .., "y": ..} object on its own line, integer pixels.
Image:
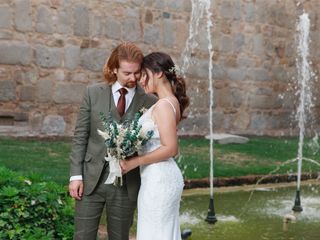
[{"x": 305, "y": 74}]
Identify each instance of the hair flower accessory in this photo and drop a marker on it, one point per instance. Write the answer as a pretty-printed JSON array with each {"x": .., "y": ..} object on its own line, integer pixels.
[{"x": 176, "y": 69}]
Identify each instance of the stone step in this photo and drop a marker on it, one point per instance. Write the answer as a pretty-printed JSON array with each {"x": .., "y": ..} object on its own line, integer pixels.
[{"x": 224, "y": 138}]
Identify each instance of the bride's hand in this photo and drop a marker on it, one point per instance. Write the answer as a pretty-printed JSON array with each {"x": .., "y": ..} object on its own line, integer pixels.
[{"x": 128, "y": 165}]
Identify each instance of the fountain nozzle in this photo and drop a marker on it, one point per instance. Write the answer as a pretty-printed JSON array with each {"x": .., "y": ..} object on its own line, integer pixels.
[
  {"x": 297, "y": 203},
  {"x": 211, "y": 217}
]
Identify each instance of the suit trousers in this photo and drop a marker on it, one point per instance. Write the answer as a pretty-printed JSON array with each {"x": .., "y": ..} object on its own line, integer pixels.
[{"x": 119, "y": 212}]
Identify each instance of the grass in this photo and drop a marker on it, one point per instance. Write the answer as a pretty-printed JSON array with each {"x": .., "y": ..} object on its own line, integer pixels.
[
  {"x": 49, "y": 159},
  {"x": 260, "y": 155}
]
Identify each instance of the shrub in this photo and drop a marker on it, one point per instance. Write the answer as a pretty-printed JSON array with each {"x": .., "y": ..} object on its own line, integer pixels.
[{"x": 31, "y": 209}]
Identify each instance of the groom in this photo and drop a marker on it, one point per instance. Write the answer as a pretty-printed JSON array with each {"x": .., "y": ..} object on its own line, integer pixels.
[{"x": 121, "y": 97}]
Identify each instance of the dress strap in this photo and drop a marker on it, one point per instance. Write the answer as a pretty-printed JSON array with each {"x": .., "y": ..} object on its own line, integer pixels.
[{"x": 174, "y": 109}]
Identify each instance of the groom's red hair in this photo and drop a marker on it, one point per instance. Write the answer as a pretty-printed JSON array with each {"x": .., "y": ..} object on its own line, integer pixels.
[{"x": 125, "y": 51}]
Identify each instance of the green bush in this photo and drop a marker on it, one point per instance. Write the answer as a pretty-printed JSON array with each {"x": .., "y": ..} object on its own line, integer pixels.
[{"x": 31, "y": 209}]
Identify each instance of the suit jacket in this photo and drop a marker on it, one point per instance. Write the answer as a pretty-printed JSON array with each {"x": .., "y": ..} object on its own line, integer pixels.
[{"x": 88, "y": 150}]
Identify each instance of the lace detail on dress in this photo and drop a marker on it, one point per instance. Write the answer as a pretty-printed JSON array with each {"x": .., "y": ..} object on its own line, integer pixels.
[{"x": 160, "y": 192}]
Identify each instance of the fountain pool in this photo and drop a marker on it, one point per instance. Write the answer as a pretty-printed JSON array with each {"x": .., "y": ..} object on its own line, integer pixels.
[{"x": 260, "y": 218}]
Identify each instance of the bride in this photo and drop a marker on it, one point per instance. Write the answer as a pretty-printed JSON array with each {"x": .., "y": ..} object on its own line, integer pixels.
[{"x": 161, "y": 179}]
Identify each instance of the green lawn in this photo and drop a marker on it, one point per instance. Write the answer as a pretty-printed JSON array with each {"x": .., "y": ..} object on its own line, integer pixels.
[{"x": 49, "y": 159}]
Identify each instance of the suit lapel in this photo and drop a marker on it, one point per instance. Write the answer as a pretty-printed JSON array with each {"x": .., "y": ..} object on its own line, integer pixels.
[
  {"x": 136, "y": 103},
  {"x": 107, "y": 103}
]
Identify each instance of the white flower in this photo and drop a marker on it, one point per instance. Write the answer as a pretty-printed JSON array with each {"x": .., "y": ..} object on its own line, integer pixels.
[
  {"x": 27, "y": 181},
  {"x": 105, "y": 135},
  {"x": 143, "y": 110}
]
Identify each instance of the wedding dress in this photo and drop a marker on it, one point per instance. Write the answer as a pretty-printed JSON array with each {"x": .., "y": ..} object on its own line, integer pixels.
[{"x": 160, "y": 192}]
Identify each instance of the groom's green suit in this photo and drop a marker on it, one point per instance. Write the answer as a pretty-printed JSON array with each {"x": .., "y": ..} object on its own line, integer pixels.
[{"x": 87, "y": 159}]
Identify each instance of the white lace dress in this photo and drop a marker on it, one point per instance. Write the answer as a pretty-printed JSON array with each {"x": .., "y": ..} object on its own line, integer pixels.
[{"x": 160, "y": 192}]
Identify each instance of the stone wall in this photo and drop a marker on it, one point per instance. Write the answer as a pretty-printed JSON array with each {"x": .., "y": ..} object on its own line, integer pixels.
[{"x": 51, "y": 49}]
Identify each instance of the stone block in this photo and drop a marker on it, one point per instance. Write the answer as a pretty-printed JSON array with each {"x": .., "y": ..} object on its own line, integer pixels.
[
  {"x": 44, "y": 90},
  {"x": 71, "y": 56},
  {"x": 168, "y": 39},
  {"x": 81, "y": 20},
  {"x": 249, "y": 12},
  {"x": 226, "y": 44},
  {"x": 16, "y": 53},
  {"x": 181, "y": 28},
  {"x": 223, "y": 97},
  {"x": 237, "y": 97},
  {"x": 259, "y": 74},
  {"x": 68, "y": 93},
  {"x": 20, "y": 116},
  {"x": 152, "y": 35},
  {"x": 44, "y": 20},
  {"x": 36, "y": 119},
  {"x": 159, "y": 4},
  {"x": 5, "y": 73},
  {"x": 226, "y": 9},
  {"x": 148, "y": 3},
  {"x": 259, "y": 122},
  {"x": 245, "y": 62},
  {"x": 23, "y": 15},
  {"x": 27, "y": 93},
  {"x": 200, "y": 68},
  {"x": 48, "y": 57},
  {"x": 26, "y": 76},
  {"x": 258, "y": 44},
  {"x": 236, "y": 74},
  {"x": 5, "y": 16},
  {"x": 279, "y": 74},
  {"x": 113, "y": 29},
  {"x": 197, "y": 124},
  {"x": 53, "y": 125},
  {"x": 6, "y": 34},
  {"x": 7, "y": 90},
  {"x": 79, "y": 77},
  {"x": 64, "y": 24},
  {"x": 238, "y": 41},
  {"x": 176, "y": 5},
  {"x": 98, "y": 26},
  {"x": 132, "y": 13},
  {"x": 93, "y": 59},
  {"x": 218, "y": 71},
  {"x": 131, "y": 30},
  {"x": 237, "y": 14},
  {"x": 241, "y": 120},
  {"x": 264, "y": 101}
]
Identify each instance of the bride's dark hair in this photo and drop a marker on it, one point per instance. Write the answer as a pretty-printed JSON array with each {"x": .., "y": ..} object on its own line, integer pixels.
[{"x": 158, "y": 62}]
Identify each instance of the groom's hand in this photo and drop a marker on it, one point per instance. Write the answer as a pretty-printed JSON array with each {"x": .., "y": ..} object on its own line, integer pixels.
[{"x": 76, "y": 189}]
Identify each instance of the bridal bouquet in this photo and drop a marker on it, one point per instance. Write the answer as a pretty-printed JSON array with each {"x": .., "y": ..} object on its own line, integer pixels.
[{"x": 122, "y": 141}]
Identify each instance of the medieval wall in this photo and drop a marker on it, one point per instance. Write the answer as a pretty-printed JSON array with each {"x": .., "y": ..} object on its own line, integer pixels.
[{"x": 50, "y": 50}]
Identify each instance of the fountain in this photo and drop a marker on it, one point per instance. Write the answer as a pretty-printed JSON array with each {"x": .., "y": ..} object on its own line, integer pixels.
[
  {"x": 278, "y": 205},
  {"x": 305, "y": 75},
  {"x": 199, "y": 8}
]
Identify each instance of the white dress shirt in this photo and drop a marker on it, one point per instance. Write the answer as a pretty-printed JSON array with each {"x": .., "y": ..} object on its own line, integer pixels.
[{"x": 116, "y": 95}]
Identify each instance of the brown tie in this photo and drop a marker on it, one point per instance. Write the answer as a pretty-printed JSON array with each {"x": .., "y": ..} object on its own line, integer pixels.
[{"x": 121, "y": 106}]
